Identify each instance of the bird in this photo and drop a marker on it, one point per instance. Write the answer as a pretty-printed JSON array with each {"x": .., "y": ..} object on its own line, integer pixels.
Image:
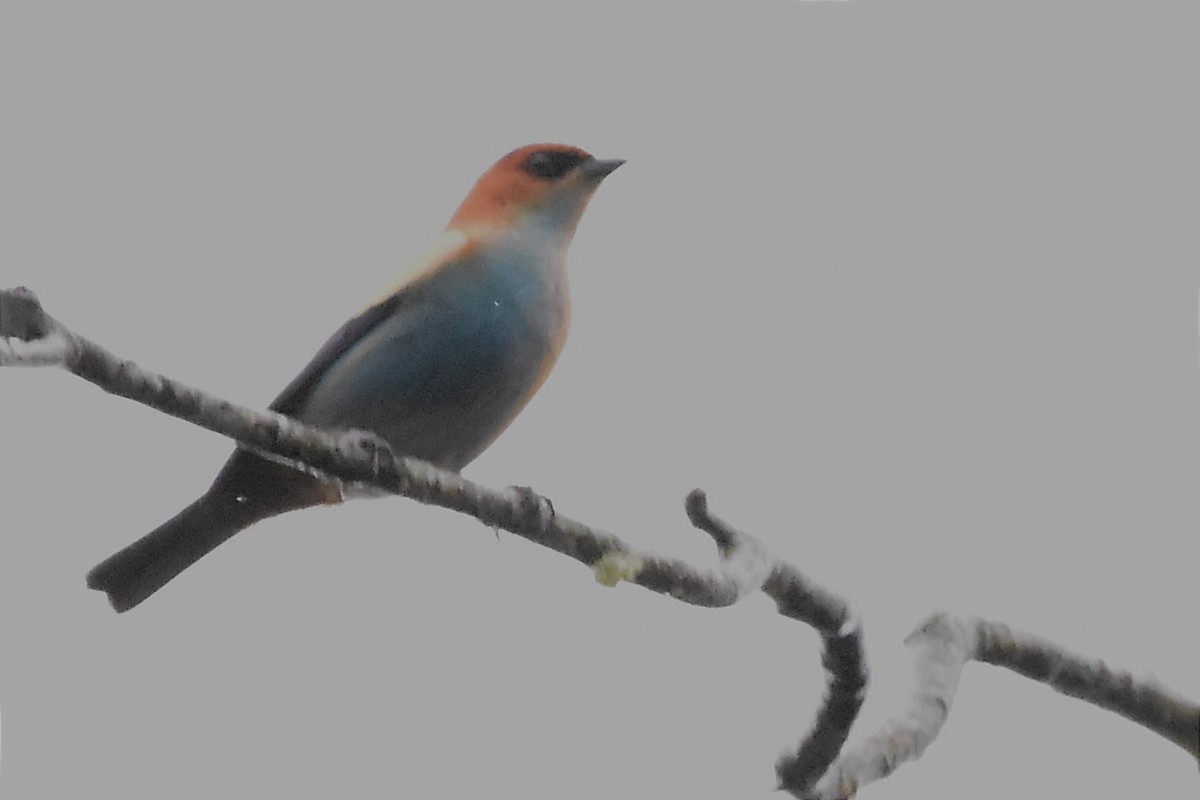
[{"x": 438, "y": 366}]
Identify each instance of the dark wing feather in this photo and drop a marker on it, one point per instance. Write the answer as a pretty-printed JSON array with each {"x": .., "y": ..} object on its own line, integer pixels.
[{"x": 295, "y": 393}]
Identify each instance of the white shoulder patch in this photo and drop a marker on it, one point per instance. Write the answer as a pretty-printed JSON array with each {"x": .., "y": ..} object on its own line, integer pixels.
[{"x": 446, "y": 247}]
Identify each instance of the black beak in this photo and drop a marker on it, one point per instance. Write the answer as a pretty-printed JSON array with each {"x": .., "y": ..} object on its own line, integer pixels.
[{"x": 599, "y": 167}]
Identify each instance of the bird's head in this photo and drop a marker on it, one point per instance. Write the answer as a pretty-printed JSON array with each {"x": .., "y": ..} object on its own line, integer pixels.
[{"x": 549, "y": 184}]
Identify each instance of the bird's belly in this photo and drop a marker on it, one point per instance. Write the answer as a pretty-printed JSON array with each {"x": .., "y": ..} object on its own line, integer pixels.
[{"x": 439, "y": 384}]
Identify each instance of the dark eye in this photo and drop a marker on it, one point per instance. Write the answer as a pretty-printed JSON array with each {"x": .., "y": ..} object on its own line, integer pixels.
[{"x": 551, "y": 164}]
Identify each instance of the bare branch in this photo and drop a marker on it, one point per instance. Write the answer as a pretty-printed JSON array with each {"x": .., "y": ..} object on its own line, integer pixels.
[
  {"x": 360, "y": 457},
  {"x": 841, "y": 633},
  {"x": 29, "y": 337},
  {"x": 1141, "y": 701},
  {"x": 945, "y": 644}
]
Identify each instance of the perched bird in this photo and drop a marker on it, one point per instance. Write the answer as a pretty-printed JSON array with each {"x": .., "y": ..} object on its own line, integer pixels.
[{"x": 438, "y": 367}]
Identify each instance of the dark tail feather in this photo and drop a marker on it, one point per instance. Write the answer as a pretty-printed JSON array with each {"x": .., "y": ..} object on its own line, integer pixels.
[
  {"x": 247, "y": 489},
  {"x": 144, "y": 567}
]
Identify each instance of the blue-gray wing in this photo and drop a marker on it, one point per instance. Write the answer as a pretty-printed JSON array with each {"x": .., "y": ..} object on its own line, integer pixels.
[
  {"x": 292, "y": 398},
  {"x": 440, "y": 368}
]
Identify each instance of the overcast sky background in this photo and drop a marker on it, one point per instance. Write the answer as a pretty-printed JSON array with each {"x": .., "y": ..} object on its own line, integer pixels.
[{"x": 910, "y": 289}]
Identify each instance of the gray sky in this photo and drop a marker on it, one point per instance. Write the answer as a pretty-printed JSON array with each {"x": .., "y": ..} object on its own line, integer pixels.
[{"x": 910, "y": 290}]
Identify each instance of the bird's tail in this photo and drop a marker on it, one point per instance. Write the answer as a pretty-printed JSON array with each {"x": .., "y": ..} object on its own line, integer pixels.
[
  {"x": 144, "y": 567},
  {"x": 247, "y": 489}
]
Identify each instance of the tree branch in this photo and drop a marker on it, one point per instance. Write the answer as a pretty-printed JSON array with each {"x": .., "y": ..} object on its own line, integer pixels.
[
  {"x": 943, "y": 645},
  {"x": 30, "y": 337}
]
